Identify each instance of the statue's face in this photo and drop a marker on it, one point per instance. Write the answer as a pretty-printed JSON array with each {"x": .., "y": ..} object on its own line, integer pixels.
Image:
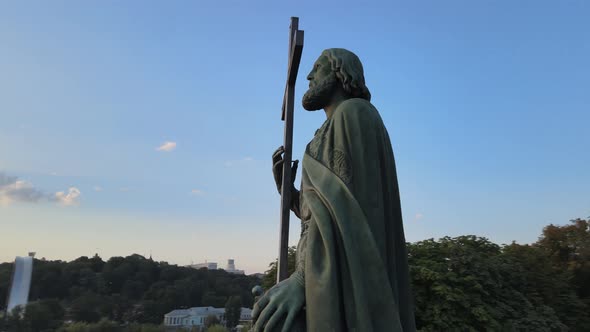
[
  {"x": 320, "y": 71},
  {"x": 322, "y": 84}
]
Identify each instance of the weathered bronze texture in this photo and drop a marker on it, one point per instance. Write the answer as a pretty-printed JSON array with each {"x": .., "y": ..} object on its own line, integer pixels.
[{"x": 352, "y": 269}]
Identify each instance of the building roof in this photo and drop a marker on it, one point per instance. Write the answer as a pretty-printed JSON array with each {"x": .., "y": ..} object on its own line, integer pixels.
[
  {"x": 179, "y": 312},
  {"x": 195, "y": 311}
]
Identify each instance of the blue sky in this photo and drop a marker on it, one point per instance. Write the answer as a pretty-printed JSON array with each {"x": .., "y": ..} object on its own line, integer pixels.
[{"x": 486, "y": 103}]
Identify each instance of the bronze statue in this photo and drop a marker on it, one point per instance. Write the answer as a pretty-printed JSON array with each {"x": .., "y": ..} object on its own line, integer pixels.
[{"x": 352, "y": 270}]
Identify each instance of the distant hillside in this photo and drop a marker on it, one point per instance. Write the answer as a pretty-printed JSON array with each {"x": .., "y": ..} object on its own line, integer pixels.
[{"x": 128, "y": 289}]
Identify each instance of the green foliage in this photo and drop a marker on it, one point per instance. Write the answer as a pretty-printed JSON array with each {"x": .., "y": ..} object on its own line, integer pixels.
[
  {"x": 5, "y": 276},
  {"x": 105, "y": 325},
  {"x": 44, "y": 315},
  {"x": 545, "y": 285},
  {"x": 454, "y": 282},
  {"x": 87, "y": 307},
  {"x": 210, "y": 321},
  {"x": 216, "y": 328},
  {"x": 126, "y": 289},
  {"x": 245, "y": 327},
  {"x": 465, "y": 283},
  {"x": 569, "y": 248},
  {"x": 233, "y": 310},
  {"x": 14, "y": 321},
  {"x": 270, "y": 277},
  {"x": 468, "y": 283},
  {"x": 135, "y": 327},
  {"x": 75, "y": 327}
]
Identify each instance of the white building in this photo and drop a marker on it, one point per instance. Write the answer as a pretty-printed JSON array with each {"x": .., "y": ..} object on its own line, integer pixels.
[
  {"x": 195, "y": 317},
  {"x": 208, "y": 265},
  {"x": 21, "y": 282},
  {"x": 231, "y": 267},
  {"x": 245, "y": 315}
]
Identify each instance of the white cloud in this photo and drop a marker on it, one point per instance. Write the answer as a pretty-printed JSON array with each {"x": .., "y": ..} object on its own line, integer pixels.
[
  {"x": 124, "y": 189},
  {"x": 167, "y": 146},
  {"x": 197, "y": 192},
  {"x": 97, "y": 188},
  {"x": 69, "y": 199},
  {"x": 418, "y": 216},
  {"x": 14, "y": 190}
]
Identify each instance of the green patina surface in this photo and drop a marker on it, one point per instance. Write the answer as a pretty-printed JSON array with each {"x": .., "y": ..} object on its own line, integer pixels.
[{"x": 352, "y": 270}]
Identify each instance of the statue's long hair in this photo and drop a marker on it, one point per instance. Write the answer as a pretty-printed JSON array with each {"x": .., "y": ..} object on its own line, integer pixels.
[{"x": 349, "y": 70}]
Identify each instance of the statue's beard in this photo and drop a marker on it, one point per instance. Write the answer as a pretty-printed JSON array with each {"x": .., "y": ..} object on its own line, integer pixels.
[{"x": 318, "y": 96}]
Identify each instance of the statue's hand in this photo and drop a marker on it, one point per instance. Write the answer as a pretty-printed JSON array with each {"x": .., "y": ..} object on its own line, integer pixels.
[
  {"x": 284, "y": 301},
  {"x": 277, "y": 167}
]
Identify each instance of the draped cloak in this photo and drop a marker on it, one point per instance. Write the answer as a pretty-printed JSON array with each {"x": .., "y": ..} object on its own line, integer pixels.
[{"x": 352, "y": 252}]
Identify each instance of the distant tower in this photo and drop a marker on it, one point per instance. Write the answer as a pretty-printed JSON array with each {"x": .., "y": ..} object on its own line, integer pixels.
[
  {"x": 230, "y": 265},
  {"x": 21, "y": 282}
]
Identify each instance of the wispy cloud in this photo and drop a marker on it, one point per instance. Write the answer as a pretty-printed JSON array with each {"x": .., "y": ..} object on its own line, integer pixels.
[
  {"x": 167, "y": 146},
  {"x": 70, "y": 198},
  {"x": 418, "y": 216},
  {"x": 197, "y": 192},
  {"x": 13, "y": 190},
  {"x": 97, "y": 188},
  {"x": 125, "y": 189}
]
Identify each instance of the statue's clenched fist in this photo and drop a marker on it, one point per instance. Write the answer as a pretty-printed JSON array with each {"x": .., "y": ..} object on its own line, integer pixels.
[{"x": 277, "y": 168}]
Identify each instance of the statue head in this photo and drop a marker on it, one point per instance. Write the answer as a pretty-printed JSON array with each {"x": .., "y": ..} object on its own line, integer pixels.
[{"x": 336, "y": 68}]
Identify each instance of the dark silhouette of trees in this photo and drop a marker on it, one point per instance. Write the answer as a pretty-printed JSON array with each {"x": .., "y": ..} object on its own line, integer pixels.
[
  {"x": 211, "y": 320},
  {"x": 569, "y": 248},
  {"x": 270, "y": 277},
  {"x": 233, "y": 310},
  {"x": 465, "y": 283},
  {"x": 122, "y": 289},
  {"x": 44, "y": 315}
]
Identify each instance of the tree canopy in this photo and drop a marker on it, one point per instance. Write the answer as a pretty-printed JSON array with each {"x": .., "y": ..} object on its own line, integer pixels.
[
  {"x": 468, "y": 283},
  {"x": 122, "y": 289},
  {"x": 464, "y": 283}
]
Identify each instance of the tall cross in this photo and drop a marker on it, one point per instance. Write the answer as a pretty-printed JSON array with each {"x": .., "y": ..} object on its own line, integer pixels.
[{"x": 295, "y": 49}]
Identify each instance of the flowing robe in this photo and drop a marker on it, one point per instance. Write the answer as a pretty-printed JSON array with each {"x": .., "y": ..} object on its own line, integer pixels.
[{"x": 352, "y": 253}]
